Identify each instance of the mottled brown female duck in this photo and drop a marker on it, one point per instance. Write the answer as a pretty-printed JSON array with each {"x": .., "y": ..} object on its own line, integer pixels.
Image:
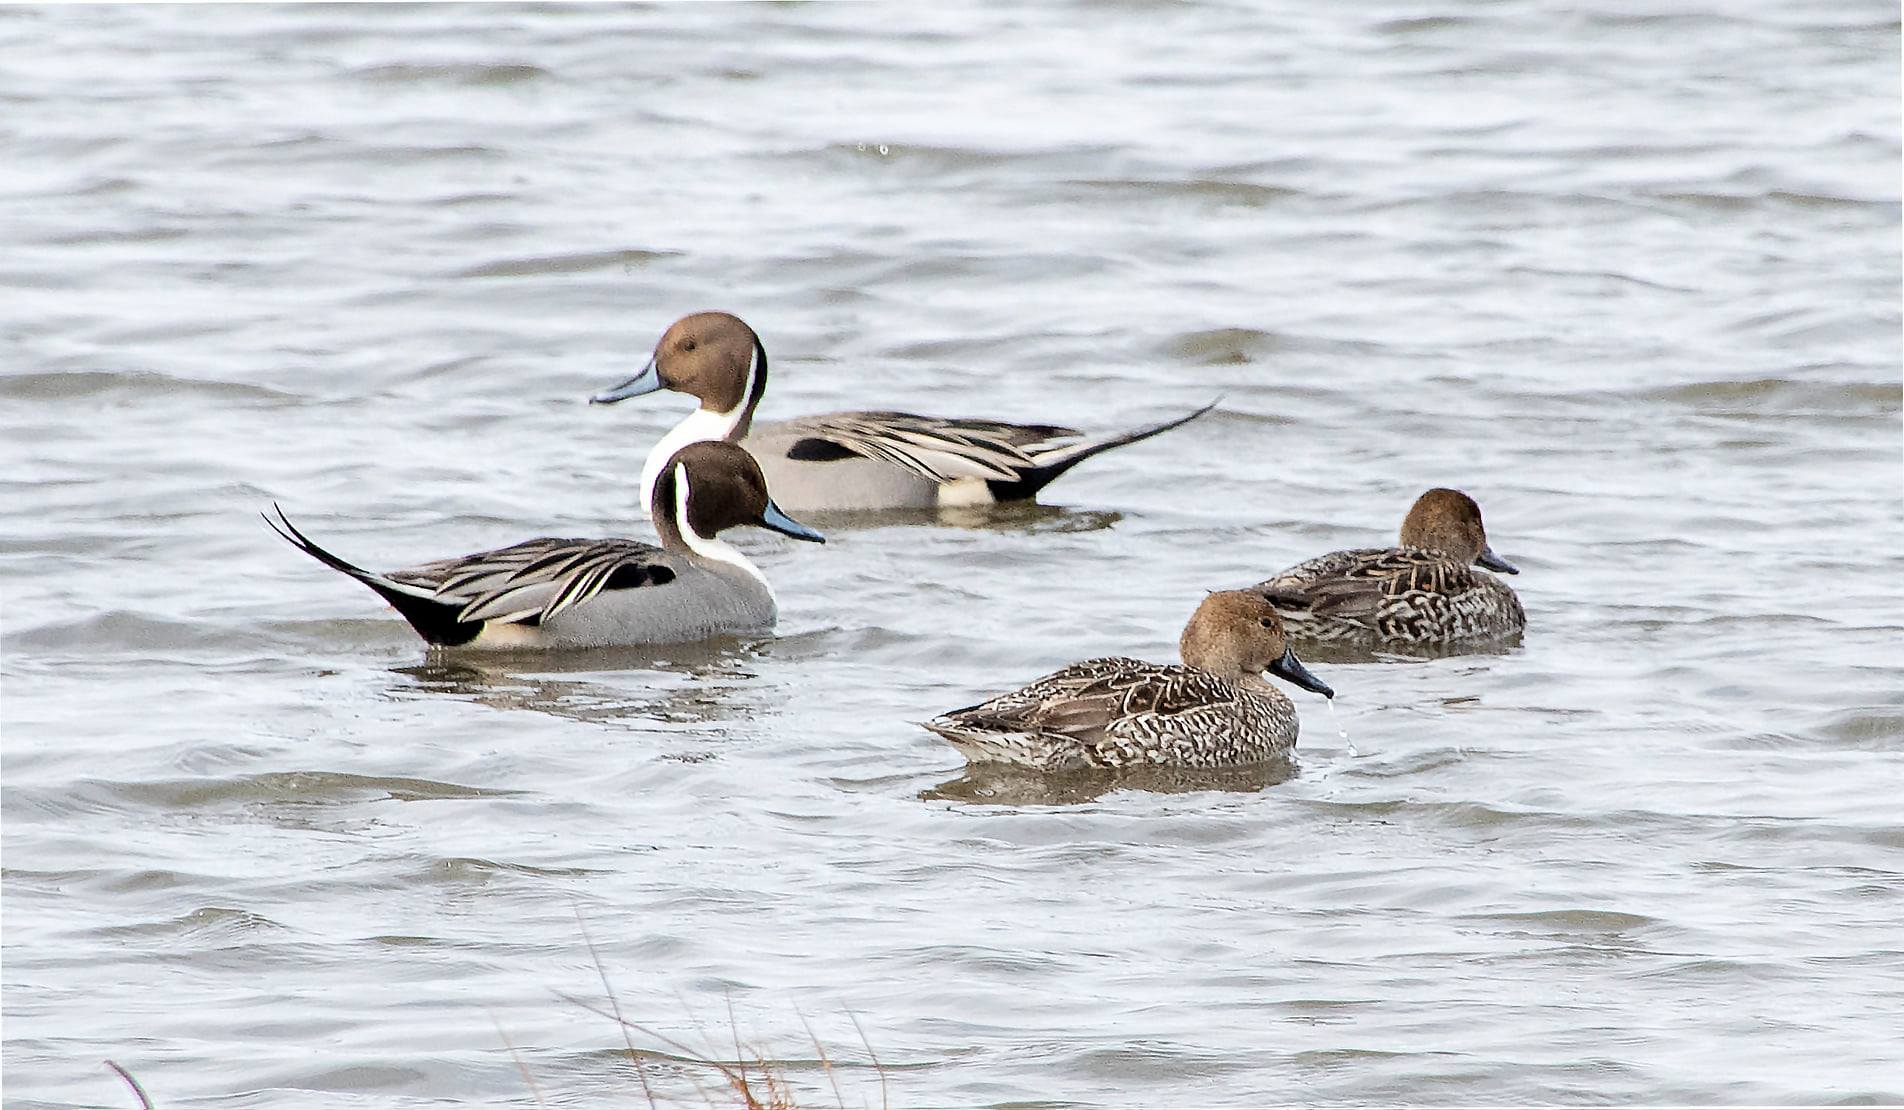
[
  {"x": 1215, "y": 711},
  {"x": 1425, "y": 592}
]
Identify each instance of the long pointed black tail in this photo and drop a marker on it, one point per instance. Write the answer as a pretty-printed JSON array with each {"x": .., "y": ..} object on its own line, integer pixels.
[
  {"x": 433, "y": 618},
  {"x": 1054, "y": 463}
]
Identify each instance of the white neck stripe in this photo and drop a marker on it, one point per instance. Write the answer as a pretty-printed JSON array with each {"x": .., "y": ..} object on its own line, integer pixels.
[{"x": 712, "y": 548}]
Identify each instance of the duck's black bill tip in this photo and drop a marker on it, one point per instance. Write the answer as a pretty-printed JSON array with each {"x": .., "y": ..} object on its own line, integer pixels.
[{"x": 1290, "y": 669}]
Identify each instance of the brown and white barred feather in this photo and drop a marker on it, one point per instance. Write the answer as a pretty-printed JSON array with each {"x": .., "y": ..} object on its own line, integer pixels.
[
  {"x": 1400, "y": 595},
  {"x": 1117, "y": 712}
]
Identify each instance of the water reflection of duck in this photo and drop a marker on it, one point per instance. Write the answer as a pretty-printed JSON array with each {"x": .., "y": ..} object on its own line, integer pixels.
[
  {"x": 1006, "y": 784},
  {"x": 706, "y": 682}
]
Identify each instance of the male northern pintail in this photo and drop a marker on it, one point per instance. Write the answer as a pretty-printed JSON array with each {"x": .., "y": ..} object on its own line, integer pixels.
[
  {"x": 1217, "y": 711},
  {"x": 568, "y": 593},
  {"x": 1424, "y": 592},
  {"x": 850, "y": 460}
]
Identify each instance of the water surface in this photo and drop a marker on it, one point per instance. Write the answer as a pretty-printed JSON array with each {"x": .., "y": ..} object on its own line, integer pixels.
[{"x": 1630, "y": 278}]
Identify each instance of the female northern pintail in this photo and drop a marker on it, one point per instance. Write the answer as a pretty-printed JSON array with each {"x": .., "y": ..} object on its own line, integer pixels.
[
  {"x": 1110, "y": 713},
  {"x": 563, "y": 593},
  {"x": 850, "y": 460},
  {"x": 1424, "y": 592}
]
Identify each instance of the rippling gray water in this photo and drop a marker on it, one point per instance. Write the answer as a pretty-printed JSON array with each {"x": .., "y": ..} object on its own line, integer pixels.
[{"x": 1630, "y": 275}]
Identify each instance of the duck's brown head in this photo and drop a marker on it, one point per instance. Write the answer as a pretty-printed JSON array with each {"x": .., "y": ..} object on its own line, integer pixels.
[
  {"x": 1448, "y": 521},
  {"x": 713, "y": 357},
  {"x": 1235, "y": 633}
]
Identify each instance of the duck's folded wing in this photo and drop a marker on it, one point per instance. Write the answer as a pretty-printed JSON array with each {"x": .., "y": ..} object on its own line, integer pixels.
[
  {"x": 538, "y": 579},
  {"x": 935, "y": 448},
  {"x": 1102, "y": 700},
  {"x": 1347, "y": 585}
]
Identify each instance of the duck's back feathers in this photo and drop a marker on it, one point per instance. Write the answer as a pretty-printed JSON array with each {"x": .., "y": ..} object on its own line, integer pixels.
[
  {"x": 1401, "y": 595},
  {"x": 934, "y": 448},
  {"x": 1013, "y": 461},
  {"x": 1118, "y": 712},
  {"x": 536, "y": 580},
  {"x": 450, "y": 601}
]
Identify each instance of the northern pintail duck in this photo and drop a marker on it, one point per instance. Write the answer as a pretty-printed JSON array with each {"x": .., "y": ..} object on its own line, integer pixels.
[
  {"x": 850, "y": 460},
  {"x": 1215, "y": 711},
  {"x": 1424, "y": 592},
  {"x": 580, "y": 593}
]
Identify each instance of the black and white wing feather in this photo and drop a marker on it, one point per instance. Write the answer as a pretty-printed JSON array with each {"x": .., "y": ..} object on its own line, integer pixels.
[
  {"x": 940, "y": 450},
  {"x": 538, "y": 579},
  {"x": 1019, "y": 459},
  {"x": 448, "y": 601}
]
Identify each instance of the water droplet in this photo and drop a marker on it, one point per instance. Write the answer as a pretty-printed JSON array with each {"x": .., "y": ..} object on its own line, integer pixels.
[{"x": 1339, "y": 730}]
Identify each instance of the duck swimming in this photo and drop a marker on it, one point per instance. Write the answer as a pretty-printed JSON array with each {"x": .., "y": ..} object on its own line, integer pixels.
[
  {"x": 1214, "y": 711},
  {"x": 850, "y": 460},
  {"x": 581, "y": 593},
  {"x": 1426, "y": 591}
]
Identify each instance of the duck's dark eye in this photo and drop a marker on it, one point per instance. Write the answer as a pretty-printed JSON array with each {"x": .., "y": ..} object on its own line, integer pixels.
[
  {"x": 1266, "y": 622},
  {"x": 687, "y": 344}
]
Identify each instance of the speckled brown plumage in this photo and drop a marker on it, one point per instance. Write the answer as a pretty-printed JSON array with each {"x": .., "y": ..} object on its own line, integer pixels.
[
  {"x": 1117, "y": 712},
  {"x": 1423, "y": 592},
  {"x": 1401, "y": 595}
]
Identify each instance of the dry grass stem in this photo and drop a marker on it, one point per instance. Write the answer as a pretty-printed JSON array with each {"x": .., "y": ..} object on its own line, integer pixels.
[
  {"x": 757, "y": 1081},
  {"x": 145, "y": 1100},
  {"x": 534, "y": 1091},
  {"x": 641, "y": 1076}
]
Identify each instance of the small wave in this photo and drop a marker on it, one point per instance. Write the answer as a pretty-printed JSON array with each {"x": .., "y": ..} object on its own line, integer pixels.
[
  {"x": 1729, "y": 203},
  {"x": 455, "y": 73},
  {"x": 1871, "y": 728},
  {"x": 1235, "y": 346},
  {"x": 202, "y": 926},
  {"x": 1245, "y": 194},
  {"x": 1571, "y": 920},
  {"x": 130, "y": 384},
  {"x": 120, "y": 630},
  {"x": 564, "y": 263},
  {"x": 1419, "y": 24},
  {"x": 293, "y": 786},
  {"x": 942, "y": 162},
  {"x": 103, "y": 236},
  {"x": 1778, "y": 396},
  {"x": 472, "y": 865}
]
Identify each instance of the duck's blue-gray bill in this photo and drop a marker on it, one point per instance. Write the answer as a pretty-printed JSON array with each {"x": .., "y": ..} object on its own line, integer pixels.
[
  {"x": 648, "y": 381},
  {"x": 780, "y": 522}
]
